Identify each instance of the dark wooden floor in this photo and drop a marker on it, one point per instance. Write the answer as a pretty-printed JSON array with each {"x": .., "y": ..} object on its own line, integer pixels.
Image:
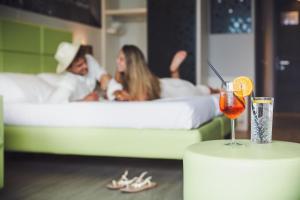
[
  {"x": 39, "y": 177},
  {"x": 43, "y": 177}
]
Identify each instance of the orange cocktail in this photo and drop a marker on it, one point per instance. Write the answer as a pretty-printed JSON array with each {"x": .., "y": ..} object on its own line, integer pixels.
[
  {"x": 231, "y": 105},
  {"x": 232, "y": 101}
]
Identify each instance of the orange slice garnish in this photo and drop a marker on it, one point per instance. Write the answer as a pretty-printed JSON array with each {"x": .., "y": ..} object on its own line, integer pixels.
[{"x": 244, "y": 84}]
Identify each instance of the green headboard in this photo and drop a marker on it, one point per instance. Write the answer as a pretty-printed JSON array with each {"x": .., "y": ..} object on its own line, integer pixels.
[{"x": 28, "y": 48}]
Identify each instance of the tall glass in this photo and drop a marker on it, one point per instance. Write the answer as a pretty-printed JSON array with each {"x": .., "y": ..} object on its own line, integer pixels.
[
  {"x": 261, "y": 119},
  {"x": 232, "y": 104}
]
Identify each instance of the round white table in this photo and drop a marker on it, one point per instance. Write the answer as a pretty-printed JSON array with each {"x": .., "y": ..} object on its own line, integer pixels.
[{"x": 213, "y": 170}]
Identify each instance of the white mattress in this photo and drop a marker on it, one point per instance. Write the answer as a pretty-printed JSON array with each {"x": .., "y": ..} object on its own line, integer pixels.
[{"x": 179, "y": 113}]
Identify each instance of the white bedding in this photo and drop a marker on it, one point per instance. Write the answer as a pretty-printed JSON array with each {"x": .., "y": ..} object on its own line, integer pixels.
[{"x": 177, "y": 113}]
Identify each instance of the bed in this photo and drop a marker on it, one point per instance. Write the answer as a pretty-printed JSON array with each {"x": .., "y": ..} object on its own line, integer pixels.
[
  {"x": 163, "y": 130},
  {"x": 153, "y": 129},
  {"x": 156, "y": 129},
  {"x": 29, "y": 48}
]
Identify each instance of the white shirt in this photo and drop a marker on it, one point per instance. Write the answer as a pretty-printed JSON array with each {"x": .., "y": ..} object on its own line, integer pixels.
[{"x": 73, "y": 87}]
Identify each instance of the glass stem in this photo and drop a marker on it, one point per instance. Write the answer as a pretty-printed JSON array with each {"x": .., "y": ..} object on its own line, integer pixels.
[{"x": 232, "y": 131}]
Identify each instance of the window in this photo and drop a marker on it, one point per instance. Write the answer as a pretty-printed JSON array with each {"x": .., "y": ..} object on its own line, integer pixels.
[{"x": 231, "y": 16}]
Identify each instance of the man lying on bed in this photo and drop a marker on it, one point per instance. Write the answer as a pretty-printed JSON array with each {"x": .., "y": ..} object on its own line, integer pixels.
[{"x": 81, "y": 72}]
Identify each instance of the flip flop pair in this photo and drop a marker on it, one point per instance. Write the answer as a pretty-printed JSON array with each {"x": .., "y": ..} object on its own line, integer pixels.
[{"x": 136, "y": 184}]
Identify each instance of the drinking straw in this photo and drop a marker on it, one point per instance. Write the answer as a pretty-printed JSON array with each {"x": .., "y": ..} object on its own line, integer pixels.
[
  {"x": 252, "y": 93},
  {"x": 216, "y": 72},
  {"x": 255, "y": 116}
]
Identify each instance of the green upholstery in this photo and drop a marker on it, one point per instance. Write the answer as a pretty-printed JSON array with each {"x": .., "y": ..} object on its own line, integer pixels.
[
  {"x": 19, "y": 37},
  {"x": 1, "y": 35},
  {"x": 28, "y": 48},
  {"x": 1, "y": 145},
  {"x": 20, "y": 62},
  {"x": 51, "y": 38},
  {"x": 1, "y": 61},
  {"x": 48, "y": 64},
  {"x": 216, "y": 171}
]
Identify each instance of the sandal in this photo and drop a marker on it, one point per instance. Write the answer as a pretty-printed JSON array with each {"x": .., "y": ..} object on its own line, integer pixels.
[
  {"x": 121, "y": 183},
  {"x": 140, "y": 184}
]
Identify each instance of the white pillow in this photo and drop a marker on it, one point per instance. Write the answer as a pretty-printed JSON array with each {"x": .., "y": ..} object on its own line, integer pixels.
[
  {"x": 10, "y": 90},
  {"x": 23, "y": 88},
  {"x": 51, "y": 78}
]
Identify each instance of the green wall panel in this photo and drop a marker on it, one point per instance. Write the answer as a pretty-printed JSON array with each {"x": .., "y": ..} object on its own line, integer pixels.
[
  {"x": 1, "y": 61},
  {"x": 1, "y": 34},
  {"x": 26, "y": 48},
  {"x": 49, "y": 64},
  {"x": 21, "y": 37},
  {"x": 1, "y": 145},
  {"x": 21, "y": 63},
  {"x": 51, "y": 38}
]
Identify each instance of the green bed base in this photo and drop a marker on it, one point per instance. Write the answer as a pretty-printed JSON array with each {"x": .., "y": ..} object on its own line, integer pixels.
[{"x": 139, "y": 143}]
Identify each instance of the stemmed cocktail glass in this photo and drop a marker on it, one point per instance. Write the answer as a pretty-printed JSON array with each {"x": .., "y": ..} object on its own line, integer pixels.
[{"x": 232, "y": 104}]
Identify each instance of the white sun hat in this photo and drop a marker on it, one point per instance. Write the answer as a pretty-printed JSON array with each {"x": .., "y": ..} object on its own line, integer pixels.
[{"x": 65, "y": 54}]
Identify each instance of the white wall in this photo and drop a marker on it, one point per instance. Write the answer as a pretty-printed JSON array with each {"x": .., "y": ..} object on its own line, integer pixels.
[
  {"x": 201, "y": 41},
  {"x": 83, "y": 33},
  {"x": 232, "y": 55},
  {"x": 133, "y": 30},
  {"x": 131, "y": 37}
]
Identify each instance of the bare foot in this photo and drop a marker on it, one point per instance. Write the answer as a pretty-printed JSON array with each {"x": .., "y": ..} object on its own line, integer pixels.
[{"x": 178, "y": 58}]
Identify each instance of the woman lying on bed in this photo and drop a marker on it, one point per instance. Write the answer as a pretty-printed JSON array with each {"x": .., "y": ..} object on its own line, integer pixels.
[{"x": 141, "y": 84}]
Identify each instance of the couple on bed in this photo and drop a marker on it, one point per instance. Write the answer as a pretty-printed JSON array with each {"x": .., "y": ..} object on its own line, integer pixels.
[{"x": 133, "y": 80}]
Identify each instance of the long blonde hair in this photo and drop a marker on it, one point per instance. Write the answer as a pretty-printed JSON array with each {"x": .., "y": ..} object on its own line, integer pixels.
[{"x": 138, "y": 80}]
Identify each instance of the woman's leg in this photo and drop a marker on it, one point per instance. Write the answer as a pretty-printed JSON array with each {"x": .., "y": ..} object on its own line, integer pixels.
[{"x": 178, "y": 58}]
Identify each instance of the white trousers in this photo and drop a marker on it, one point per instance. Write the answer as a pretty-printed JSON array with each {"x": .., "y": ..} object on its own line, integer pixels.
[{"x": 171, "y": 87}]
